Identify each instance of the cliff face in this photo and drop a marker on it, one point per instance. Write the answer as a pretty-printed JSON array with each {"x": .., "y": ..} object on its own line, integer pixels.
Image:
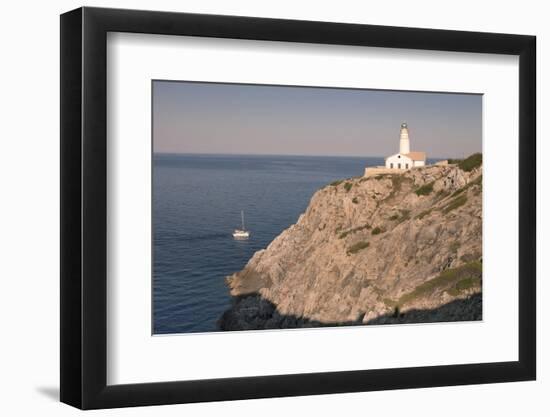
[{"x": 383, "y": 249}]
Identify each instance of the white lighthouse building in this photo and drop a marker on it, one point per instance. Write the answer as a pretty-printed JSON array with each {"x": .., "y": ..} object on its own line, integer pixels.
[{"x": 405, "y": 159}]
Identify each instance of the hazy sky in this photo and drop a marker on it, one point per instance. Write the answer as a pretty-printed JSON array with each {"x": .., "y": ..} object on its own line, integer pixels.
[{"x": 255, "y": 119}]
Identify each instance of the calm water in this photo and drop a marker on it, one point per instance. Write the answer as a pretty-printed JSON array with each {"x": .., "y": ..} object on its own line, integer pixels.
[{"x": 197, "y": 200}]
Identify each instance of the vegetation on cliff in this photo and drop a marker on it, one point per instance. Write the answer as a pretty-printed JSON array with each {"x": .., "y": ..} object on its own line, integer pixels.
[{"x": 472, "y": 162}]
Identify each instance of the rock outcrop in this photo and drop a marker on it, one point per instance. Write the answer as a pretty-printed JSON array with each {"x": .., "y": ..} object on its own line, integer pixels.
[{"x": 391, "y": 248}]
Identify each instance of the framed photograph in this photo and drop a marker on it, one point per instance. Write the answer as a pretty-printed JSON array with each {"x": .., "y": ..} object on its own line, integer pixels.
[{"x": 257, "y": 208}]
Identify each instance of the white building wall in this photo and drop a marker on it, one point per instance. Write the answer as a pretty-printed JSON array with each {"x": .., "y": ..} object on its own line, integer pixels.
[
  {"x": 399, "y": 161},
  {"x": 419, "y": 163}
]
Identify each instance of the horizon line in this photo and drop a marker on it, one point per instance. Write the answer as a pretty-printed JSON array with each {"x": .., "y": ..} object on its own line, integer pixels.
[{"x": 298, "y": 155}]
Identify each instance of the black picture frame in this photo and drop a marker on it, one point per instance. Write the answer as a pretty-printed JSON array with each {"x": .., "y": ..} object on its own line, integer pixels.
[{"x": 84, "y": 207}]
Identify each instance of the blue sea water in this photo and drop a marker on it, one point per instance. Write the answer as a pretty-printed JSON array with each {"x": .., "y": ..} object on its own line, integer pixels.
[{"x": 197, "y": 200}]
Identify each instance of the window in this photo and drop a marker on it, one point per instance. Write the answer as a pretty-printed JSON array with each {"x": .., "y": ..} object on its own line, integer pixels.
[
  {"x": 399, "y": 165},
  {"x": 391, "y": 165},
  {"x": 407, "y": 166}
]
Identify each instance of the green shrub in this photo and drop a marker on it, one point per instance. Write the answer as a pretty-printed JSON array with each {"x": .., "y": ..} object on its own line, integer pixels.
[
  {"x": 423, "y": 214},
  {"x": 459, "y": 191},
  {"x": 355, "y": 229},
  {"x": 358, "y": 247},
  {"x": 347, "y": 186},
  {"x": 463, "y": 285},
  {"x": 453, "y": 291},
  {"x": 425, "y": 189},
  {"x": 470, "y": 163},
  {"x": 405, "y": 215},
  {"x": 467, "y": 283},
  {"x": 441, "y": 194},
  {"x": 454, "y": 246},
  {"x": 477, "y": 181},
  {"x": 454, "y": 204},
  {"x": 336, "y": 183},
  {"x": 397, "y": 181},
  {"x": 389, "y": 303},
  {"x": 377, "y": 230},
  {"x": 469, "y": 257},
  {"x": 445, "y": 279}
]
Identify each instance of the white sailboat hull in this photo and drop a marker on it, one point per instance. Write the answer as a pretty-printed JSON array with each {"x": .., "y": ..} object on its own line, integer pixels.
[{"x": 241, "y": 234}]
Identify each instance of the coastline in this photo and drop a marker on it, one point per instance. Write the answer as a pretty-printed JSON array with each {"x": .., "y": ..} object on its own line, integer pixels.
[{"x": 414, "y": 240}]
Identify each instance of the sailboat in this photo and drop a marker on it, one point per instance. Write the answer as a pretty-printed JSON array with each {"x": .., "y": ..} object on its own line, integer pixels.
[{"x": 241, "y": 233}]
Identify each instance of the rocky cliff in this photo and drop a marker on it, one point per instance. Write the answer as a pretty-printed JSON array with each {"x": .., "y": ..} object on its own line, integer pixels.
[{"x": 371, "y": 250}]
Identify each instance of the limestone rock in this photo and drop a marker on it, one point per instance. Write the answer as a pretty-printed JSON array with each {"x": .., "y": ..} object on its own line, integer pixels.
[{"x": 382, "y": 249}]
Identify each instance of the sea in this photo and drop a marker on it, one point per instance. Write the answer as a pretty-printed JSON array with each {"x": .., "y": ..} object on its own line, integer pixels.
[{"x": 197, "y": 203}]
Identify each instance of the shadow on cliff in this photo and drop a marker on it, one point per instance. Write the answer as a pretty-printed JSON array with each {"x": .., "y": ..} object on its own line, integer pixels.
[{"x": 252, "y": 312}]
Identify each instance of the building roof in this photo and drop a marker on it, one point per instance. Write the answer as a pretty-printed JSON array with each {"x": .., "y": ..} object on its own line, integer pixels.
[{"x": 416, "y": 156}]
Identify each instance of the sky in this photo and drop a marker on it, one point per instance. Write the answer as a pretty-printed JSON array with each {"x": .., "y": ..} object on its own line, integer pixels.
[{"x": 219, "y": 118}]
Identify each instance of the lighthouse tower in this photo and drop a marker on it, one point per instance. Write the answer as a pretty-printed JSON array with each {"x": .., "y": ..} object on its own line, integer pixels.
[{"x": 404, "y": 144}]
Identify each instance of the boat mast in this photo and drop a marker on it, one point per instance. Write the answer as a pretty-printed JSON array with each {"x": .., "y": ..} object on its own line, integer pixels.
[{"x": 242, "y": 218}]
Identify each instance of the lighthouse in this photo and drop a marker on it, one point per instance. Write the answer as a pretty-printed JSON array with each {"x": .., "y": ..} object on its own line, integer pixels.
[
  {"x": 404, "y": 144},
  {"x": 405, "y": 159},
  {"x": 402, "y": 161}
]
